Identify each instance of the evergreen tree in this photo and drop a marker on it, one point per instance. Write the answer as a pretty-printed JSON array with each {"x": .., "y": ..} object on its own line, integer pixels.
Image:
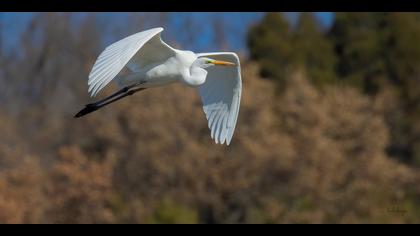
[
  {"x": 359, "y": 42},
  {"x": 378, "y": 49},
  {"x": 269, "y": 43},
  {"x": 313, "y": 51},
  {"x": 403, "y": 57}
]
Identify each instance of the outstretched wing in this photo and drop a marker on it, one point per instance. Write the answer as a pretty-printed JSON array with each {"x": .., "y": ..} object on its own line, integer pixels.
[
  {"x": 221, "y": 96},
  {"x": 135, "y": 52}
]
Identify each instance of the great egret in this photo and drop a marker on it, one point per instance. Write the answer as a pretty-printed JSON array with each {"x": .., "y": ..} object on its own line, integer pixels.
[{"x": 152, "y": 63}]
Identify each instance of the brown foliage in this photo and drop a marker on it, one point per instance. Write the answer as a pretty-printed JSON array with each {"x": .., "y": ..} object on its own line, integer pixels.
[
  {"x": 304, "y": 156},
  {"x": 311, "y": 157},
  {"x": 79, "y": 189}
]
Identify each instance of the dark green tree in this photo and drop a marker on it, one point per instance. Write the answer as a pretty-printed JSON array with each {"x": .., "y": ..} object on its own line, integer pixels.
[
  {"x": 403, "y": 61},
  {"x": 280, "y": 50},
  {"x": 313, "y": 52},
  {"x": 359, "y": 40},
  {"x": 269, "y": 43},
  {"x": 375, "y": 50}
]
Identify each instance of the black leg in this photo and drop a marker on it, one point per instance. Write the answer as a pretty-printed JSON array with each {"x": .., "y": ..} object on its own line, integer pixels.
[
  {"x": 121, "y": 91},
  {"x": 128, "y": 93},
  {"x": 113, "y": 98}
]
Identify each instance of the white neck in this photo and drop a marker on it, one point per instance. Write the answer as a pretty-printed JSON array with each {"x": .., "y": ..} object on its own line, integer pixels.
[{"x": 196, "y": 76}]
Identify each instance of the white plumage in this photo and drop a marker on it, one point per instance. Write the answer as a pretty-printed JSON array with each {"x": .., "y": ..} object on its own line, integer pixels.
[
  {"x": 152, "y": 62},
  {"x": 221, "y": 96}
]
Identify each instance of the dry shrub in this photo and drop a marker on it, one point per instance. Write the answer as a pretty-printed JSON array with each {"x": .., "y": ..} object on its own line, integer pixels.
[
  {"x": 341, "y": 168},
  {"x": 79, "y": 189},
  {"x": 304, "y": 156},
  {"x": 21, "y": 195},
  {"x": 309, "y": 156}
]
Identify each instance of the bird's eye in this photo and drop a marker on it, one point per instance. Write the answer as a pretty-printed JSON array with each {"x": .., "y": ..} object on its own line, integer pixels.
[{"x": 208, "y": 62}]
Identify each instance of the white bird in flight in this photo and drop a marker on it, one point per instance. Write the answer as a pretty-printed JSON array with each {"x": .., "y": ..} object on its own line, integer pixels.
[{"x": 151, "y": 63}]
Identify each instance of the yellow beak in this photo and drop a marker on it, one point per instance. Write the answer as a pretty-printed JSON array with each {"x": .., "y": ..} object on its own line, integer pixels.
[{"x": 223, "y": 63}]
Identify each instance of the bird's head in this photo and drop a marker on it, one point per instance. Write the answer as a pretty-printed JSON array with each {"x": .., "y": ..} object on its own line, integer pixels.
[{"x": 205, "y": 62}]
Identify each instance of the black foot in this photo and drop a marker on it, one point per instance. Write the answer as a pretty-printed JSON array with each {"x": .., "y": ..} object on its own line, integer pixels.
[
  {"x": 113, "y": 98},
  {"x": 88, "y": 109}
]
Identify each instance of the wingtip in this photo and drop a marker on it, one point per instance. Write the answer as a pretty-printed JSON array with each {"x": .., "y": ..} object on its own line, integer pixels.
[
  {"x": 228, "y": 139},
  {"x": 158, "y": 29},
  {"x": 90, "y": 92}
]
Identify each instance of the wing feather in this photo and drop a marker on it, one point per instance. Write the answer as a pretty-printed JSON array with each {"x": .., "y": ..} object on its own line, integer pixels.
[
  {"x": 224, "y": 129},
  {"x": 138, "y": 49},
  {"x": 221, "y": 96}
]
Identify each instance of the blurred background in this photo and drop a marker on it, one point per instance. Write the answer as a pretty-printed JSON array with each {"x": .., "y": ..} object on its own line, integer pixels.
[{"x": 328, "y": 130}]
